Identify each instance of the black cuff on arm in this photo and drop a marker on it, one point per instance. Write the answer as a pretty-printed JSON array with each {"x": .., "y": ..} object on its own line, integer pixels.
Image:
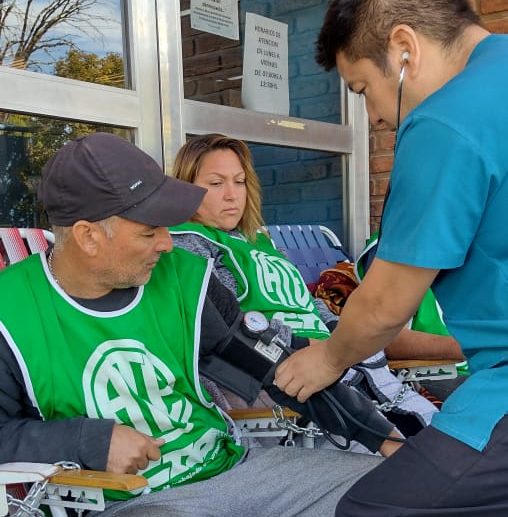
[{"x": 354, "y": 402}]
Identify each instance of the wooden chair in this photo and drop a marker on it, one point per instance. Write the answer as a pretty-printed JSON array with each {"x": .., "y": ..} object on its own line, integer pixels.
[{"x": 59, "y": 488}]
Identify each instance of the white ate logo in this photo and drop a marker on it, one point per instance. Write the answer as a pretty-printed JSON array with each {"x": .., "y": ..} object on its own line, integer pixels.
[
  {"x": 122, "y": 380},
  {"x": 280, "y": 282}
]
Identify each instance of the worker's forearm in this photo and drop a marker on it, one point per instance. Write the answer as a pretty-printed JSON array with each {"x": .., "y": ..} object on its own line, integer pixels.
[{"x": 364, "y": 328}]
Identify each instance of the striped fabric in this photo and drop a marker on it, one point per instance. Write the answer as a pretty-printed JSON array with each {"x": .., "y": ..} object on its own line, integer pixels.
[{"x": 18, "y": 243}]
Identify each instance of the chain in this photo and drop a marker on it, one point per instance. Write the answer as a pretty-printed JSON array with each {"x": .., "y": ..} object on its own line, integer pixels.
[
  {"x": 50, "y": 266},
  {"x": 31, "y": 501},
  {"x": 390, "y": 404},
  {"x": 285, "y": 423},
  {"x": 28, "y": 506},
  {"x": 68, "y": 465},
  {"x": 24, "y": 508}
]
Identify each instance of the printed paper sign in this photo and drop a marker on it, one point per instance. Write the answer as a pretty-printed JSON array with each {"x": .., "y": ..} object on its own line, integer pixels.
[
  {"x": 216, "y": 16},
  {"x": 265, "y": 65}
]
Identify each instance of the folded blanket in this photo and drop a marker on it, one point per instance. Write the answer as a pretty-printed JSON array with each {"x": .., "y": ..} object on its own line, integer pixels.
[{"x": 335, "y": 285}]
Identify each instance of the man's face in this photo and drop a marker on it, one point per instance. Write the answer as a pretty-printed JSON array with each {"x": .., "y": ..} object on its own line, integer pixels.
[
  {"x": 128, "y": 257},
  {"x": 380, "y": 90}
]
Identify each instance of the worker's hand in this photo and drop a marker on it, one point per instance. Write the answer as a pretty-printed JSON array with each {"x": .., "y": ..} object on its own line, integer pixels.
[
  {"x": 307, "y": 371},
  {"x": 130, "y": 450}
]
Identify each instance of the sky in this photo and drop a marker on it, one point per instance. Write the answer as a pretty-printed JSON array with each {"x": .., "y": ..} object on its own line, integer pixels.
[{"x": 104, "y": 36}]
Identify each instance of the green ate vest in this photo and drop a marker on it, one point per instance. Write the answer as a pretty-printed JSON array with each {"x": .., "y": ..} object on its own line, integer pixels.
[
  {"x": 266, "y": 280},
  {"x": 137, "y": 365}
]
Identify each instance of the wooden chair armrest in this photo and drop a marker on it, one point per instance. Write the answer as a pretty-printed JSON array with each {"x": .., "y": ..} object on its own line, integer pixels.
[
  {"x": 253, "y": 413},
  {"x": 31, "y": 472},
  {"x": 98, "y": 479},
  {"x": 415, "y": 363}
]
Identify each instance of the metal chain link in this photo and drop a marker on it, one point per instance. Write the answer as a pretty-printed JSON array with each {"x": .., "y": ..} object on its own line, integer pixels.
[
  {"x": 68, "y": 465},
  {"x": 29, "y": 505},
  {"x": 387, "y": 406},
  {"x": 24, "y": 508},
  {"x": 285, "y": 423}
]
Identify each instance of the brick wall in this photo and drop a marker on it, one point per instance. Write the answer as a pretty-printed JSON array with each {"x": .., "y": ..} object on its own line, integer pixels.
[
  {"x": 494, "y": 15},
  {"x": 298, "y": 185}
]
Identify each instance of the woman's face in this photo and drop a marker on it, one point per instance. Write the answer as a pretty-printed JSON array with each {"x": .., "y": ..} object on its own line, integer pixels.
[{"x": 224, "y": 203}]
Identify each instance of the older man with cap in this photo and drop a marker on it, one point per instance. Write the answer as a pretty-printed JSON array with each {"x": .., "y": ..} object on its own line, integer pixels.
[{"x": 100, "y": 365}]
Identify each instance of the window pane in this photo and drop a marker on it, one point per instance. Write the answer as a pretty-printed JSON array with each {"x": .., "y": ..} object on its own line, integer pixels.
[
  {"x": 78, "y": 39},
  {"x": 213, "y": 64},
  {"x": 300, "y": 186},
  {"x": 26, "y": 143}
]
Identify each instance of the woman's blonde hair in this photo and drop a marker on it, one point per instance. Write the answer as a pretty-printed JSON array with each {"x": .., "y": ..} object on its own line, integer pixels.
[{"x": 188, "y": 162}]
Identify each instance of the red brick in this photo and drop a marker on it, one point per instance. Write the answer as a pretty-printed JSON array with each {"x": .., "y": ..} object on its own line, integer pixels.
[
  {"x": 493, "y": 6},
  {"x": 376, "y": 207},
  {"x": 378, "y": 184},
  {"x": 187, "y": 30},
  {"x": 232, "y": 57},
  {"x": 200, "y": 65},
  {"x": 385, "y": 140},
  {"x": 233, "y": 98},
  {"x": 372, "y": 142},
  {"x": 381, "y": 164},
  {"x": 207, "y": 42},
  {"x": 187, "y": 47},
  {"x": 190, "y": 88},
  {"x": 374, "y": 224},
  {"x": 499, "y": 26},
  {"x": 219, "y": 81}
]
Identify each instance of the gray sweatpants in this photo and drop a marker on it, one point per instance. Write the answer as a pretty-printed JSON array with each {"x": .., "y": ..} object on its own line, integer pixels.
[{"x": 276, "y": 481}]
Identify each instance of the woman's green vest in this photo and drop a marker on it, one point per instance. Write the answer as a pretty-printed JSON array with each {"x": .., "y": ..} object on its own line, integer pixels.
[
  {"x": 266, "y": 280},
  {"x": 137, "y": 365}
]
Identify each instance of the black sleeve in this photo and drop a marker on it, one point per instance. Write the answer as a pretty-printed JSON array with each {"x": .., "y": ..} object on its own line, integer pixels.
[
  {"x": 24, "y": 436},
  {"x": 220, "y": 311}
]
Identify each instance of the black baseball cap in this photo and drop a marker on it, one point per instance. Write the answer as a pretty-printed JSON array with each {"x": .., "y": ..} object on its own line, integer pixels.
[{"x": 100, "y": 175}]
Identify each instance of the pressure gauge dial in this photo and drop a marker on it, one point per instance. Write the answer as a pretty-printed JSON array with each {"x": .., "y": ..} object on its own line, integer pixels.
[{"x": 255, "y": 323}]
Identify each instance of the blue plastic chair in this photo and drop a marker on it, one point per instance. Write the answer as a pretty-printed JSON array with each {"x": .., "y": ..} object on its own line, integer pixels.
[{"x": 310, "y": 247}]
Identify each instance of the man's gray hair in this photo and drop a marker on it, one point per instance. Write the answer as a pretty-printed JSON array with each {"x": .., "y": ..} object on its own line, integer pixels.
[{"x": 62, "y": 232}]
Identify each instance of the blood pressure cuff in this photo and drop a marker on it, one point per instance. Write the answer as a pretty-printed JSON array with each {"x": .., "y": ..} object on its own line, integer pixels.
[
  {"x": 353, "y": 401},
  {"x": 245, "y": 365}
]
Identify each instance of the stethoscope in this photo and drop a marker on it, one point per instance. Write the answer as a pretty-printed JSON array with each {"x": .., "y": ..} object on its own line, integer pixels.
[{"x": 405, "y": 59}]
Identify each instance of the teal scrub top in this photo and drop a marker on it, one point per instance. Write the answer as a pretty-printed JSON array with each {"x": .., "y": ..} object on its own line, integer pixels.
[{"x": 448, "y": 210}]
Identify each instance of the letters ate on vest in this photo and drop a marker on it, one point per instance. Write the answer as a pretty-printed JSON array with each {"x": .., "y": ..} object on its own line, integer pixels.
[{"x": 266, "y": 279}]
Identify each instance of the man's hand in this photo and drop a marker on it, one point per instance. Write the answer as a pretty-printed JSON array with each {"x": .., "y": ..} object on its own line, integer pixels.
[
  {"x": 130, "y": 450},
  {"x": 307, "y": 371}
]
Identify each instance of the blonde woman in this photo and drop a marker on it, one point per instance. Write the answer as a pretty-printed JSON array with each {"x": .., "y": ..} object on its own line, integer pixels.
[{"x": 227, "y": 228}]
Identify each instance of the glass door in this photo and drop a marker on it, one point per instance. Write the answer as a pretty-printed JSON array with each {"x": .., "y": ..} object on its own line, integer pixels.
[{"x": 306, "y": 157}]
